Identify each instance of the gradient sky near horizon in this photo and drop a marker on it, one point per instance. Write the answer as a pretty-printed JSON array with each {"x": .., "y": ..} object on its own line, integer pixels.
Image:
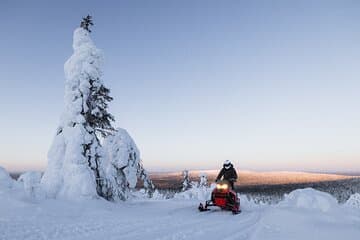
[{"x": 270, "y": 85}]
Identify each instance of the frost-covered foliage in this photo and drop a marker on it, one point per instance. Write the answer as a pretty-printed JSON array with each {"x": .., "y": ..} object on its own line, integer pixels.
[
  {"x": 5, "y": 180},
  {"x": 264, "y": 199},
  {"x": 186, "y": 184},
  {"x": 124, "y": 166},
  {"x": 203, "y": 180},
  {"x": 75, "y": 166},
  {"x": 144, "y": 194},
  {"x": 31, "y": 183},
  {"x": 353, "y": 201},
  {"x": 197, "y": 192}
]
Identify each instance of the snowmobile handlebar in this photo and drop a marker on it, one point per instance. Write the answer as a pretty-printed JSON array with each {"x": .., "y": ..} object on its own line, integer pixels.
[{"x": 228, "y": 180}]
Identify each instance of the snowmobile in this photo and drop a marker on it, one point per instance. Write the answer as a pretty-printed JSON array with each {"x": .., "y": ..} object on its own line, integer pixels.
[{"x": 224, "y": 197}]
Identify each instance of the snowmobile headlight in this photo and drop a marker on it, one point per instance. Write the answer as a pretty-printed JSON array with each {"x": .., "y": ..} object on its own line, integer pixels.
[{"x": 222, "y": 186}]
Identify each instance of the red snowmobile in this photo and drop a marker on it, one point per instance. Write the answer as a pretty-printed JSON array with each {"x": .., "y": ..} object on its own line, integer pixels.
[{"x": 224, "y": 197}]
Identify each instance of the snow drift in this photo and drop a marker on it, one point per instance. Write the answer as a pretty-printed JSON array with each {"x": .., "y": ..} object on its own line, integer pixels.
[
  {"x": 31, "y": 183},
  {"x": 310, "y": 199},
  {"x": 353, "y": 201},
  {"x": 5, "y": 180}
]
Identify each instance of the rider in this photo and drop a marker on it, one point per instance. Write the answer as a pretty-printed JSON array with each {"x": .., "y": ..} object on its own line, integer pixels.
[{"x": 228, "y": 173}]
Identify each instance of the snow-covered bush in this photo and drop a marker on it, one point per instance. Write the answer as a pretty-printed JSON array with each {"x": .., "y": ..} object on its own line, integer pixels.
[
  {"x": 353, "y": 201},
  {"x": 196, "y": 192},
  {"x": 31, "y": 183},
  {"x": 143, "y": 194},
  {"x": 310, "y": 199},
  {"x": 158, "y": 195},
  {"x": 124, "y": 166},
  {"x": 75, "y": 166},
  {"x": 5, "y": 180}
]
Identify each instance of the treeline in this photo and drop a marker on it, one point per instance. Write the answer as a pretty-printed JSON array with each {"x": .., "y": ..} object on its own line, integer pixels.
[{"x": 340, "y": 189}]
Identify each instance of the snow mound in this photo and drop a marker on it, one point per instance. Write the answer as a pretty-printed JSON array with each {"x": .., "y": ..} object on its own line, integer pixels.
[
  {"x": 143, "y": 194},
  {"x": 353, "y": 201},
  {"x": 198, "y": 193},
  {"x": 68, "y": 174},
  {"x": 5, "y": 180},
  {"x": 124, "y": 154},
  {"x": 31, "y": 183},
  {"x": 310, "y": 199}
]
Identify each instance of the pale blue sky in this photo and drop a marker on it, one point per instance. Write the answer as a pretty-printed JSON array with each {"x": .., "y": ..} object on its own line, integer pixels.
[{"x": 271, "y": 85}]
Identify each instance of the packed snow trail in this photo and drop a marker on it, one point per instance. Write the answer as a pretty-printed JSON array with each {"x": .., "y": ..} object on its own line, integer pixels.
[
  {"x": 163, "y": 219},
  {"x": 305, "y": 214}
]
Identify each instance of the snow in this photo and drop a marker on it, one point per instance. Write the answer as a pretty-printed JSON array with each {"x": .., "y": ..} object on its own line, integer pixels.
[
  {"x": 5, "y": 180},
  {"x": 309, "y": 199},
  {"x": 67, "y": 174},
  {"x": 86, "y": 61},
  {"x": 31, "y": 184},
  {"x": 123, "y": 153},
  {"x": 123, "y": 166},
  {"x": 186, "y": 184},
  {"x": 203, "y": 180},
  {"x": 353, "y": 201},
  {"x": 70, "y": 171},
  {"x": 140, "y": 218},
  {"x": 196, "y": 192},
  {"x": 303, "y": 214}
]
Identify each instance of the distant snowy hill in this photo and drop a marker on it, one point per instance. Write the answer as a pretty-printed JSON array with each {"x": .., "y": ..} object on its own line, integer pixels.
[{"x": 247, "y": 178}]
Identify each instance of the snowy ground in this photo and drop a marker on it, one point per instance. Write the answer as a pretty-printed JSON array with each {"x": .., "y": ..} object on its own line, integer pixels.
[{"x": 305, "y": 214}]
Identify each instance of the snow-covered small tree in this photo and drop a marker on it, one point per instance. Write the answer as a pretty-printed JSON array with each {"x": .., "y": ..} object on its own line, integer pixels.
[
  {"x": 31, "y": 183},
  {"x": 144, "y": 176},
  {"x": 75, "y": 166},
  {"x": 186, "y": 184},
  {"x": 124, "y": 166},
  {"x": 5, "y": 180},
  {"x": 203, "y": 180}
]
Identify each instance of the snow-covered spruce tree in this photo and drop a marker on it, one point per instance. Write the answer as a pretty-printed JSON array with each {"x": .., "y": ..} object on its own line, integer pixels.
[
  {"x": 203, "y": 180},
  {"x": 75, "y": 157},
  {"x": 124, "y": 166},
  {"x": 186, "y": 184}
]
